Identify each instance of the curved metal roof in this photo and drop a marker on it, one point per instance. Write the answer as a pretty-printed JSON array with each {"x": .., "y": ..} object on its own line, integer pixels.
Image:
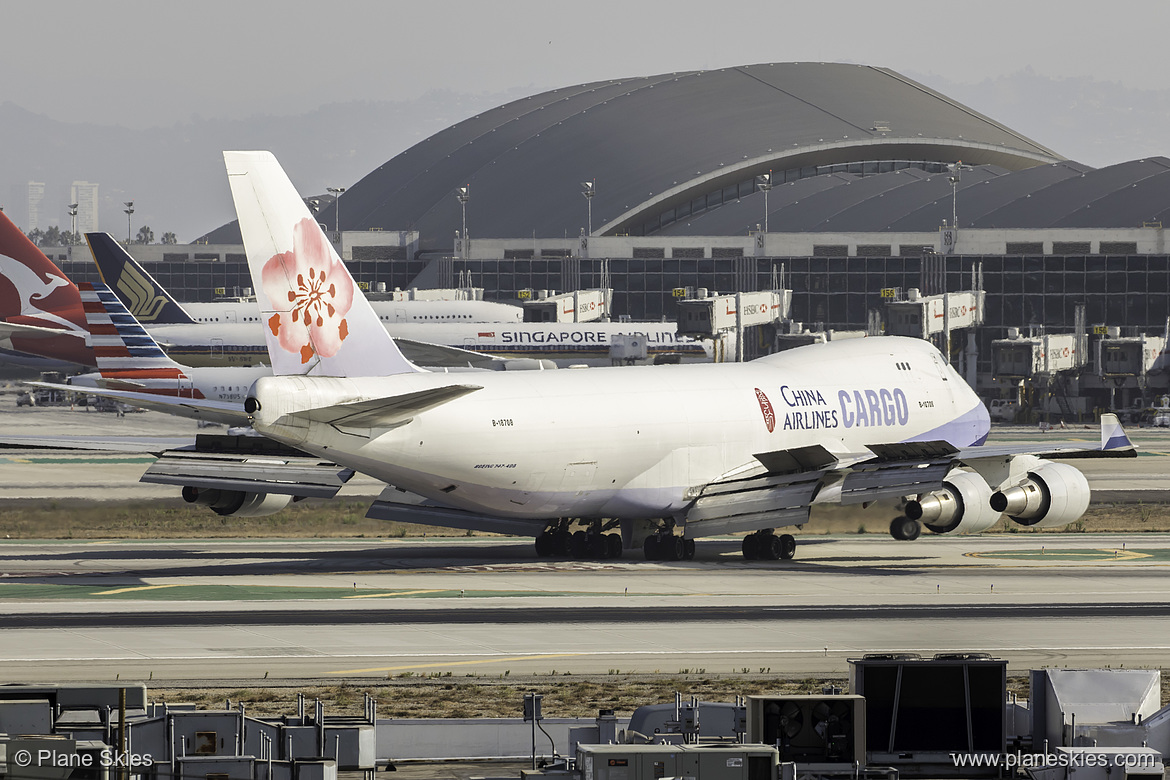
[
  {"x": 851, "y": 148},
  {"x": 653, "y": 143}
]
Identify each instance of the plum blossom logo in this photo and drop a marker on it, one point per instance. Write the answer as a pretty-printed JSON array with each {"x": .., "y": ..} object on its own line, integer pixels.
[
  {"x": 766, "y": 410},
  {"x": 319, "y": 289}
]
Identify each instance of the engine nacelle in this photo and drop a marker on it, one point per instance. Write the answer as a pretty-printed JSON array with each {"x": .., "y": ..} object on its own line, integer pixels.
[
  {"x": 961, "y": 506},
  {"x": 236, "y": 503},
  {"x": 1052, "y": 495}
]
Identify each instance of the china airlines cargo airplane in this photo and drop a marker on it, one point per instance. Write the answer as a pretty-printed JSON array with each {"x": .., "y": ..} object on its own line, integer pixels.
[{"x": 665, "y": 453}]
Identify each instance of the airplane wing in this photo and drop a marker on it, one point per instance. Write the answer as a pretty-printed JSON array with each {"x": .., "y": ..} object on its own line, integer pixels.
[
  {"x": 194, "y": 408},
  {"x": 780, "y": 487},
  {"x": 423, "y": 353},
  {"x": 1114, "y": 444}
]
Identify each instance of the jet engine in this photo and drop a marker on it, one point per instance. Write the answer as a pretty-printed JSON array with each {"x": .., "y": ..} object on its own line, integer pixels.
[
  {"x": 960, "y": 506},
  {"x": 236, "y": 503},
  {"x": 1052, "y": 495}
]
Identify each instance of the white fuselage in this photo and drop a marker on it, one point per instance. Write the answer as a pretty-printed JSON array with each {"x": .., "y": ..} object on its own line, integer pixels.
[
  {"x": 629, "y": 442},
  {"x": 586, "y": 343},
  {"x": 224, "y": 312}
]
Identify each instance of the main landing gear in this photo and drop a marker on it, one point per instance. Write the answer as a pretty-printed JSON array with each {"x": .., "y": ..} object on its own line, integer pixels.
[
  {"x": 560, "y": 543},
  {"x": 668, "y": 547},
  {"x": 904, "y": 529},
  {"x": 767, "y": 546}
]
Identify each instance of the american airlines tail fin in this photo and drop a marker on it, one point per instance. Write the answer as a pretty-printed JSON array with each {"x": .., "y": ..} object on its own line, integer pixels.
[
  {"x": 145, "y": 298},
  {"x": 316, "y": 320},
  {"x": 119, "y": 341}
]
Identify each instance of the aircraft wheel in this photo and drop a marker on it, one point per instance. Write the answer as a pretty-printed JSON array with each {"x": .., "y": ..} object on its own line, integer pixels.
[
  {"x": 787, "y": 546},
  {"x": 675, "y": 548},
  {"x": 598, "y": 546},
  {"x": 751, "y": 547},
  {"x": 903, "y": 528},
  {"x": 613, "y": 544},
  {"x": 580, "y": 544},
  {"x": 562, "y": 545},
  {"x": 688, "y": 549},
  {"x": 650, "y": 548},
  {"x": 543, "y": 545},
  {"x": 770, "y": 547}
]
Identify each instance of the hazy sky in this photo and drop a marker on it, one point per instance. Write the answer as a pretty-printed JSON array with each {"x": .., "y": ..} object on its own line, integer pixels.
[{"x": 144, "y": 63}]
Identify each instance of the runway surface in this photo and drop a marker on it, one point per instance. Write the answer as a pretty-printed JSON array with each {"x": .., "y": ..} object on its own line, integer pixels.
[
  {"x": 299, "y": 609},
  {"x": 351, "y": 609}
]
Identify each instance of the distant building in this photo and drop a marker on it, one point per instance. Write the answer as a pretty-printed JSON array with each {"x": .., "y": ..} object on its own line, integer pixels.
[
  {"x": 85, "y": 195},
  {"x": 36, "y": 194}
]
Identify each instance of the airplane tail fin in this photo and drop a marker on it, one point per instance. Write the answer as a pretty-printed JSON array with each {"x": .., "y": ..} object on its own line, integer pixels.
[
  {"x": 316, "y": 320},
  {"x": 34, "y": 291},
  {"x": 119, "y": 341},
  {"x": 145, "y": 298},
  {"x": 1113, "y": 436}
]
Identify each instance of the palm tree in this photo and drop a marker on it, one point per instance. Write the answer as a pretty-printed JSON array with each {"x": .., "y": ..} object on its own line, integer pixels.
[
  {"x": 170, "y": 238},
  {"x": 145, "y": 235}
]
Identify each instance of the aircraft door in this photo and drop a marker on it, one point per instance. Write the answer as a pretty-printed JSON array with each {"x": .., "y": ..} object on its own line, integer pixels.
[
  {"x": 400, "y": 315},
  {"x": 217, "y": 349},
  {"x": 230, "y": 316},
  {"x": 578, "y": 477}
]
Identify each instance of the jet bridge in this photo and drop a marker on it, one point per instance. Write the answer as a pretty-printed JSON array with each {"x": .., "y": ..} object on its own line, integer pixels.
[
  {"x": 577, "y": 306},
  {"x": 711, "y": 316},
  {"x": 1044, "y": 361}
]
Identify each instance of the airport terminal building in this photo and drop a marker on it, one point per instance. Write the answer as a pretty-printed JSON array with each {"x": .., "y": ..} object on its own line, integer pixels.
[{"x": 844, "y": 176}]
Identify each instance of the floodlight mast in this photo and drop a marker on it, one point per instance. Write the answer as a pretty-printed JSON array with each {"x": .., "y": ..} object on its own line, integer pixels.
[{"x": 589, "y": 191}]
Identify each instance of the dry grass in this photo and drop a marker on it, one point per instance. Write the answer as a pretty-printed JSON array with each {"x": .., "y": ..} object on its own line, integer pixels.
[
  {"x": 177, "y": 520},
  {"x": 315, "y": 518},
  {"x": 565, "y": 696}
]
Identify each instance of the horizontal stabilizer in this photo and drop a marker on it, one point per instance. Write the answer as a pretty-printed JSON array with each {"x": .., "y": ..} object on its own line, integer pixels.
[
  {"x": 229, "y": 413},
  {"x": 283, "y": 475},
  {"x": 385, "y": 412},
  {"x": 10, "y": 329},
  {"x": 392, "y": 506}
]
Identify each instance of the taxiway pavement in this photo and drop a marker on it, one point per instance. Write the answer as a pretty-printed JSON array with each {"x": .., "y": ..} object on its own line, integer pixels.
[{"x": 291, "y": 609}]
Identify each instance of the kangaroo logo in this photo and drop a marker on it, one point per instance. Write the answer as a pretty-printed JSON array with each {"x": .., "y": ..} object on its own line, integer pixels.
[
  {"x": 34, "y": 288},
  {"x": 140, "y": 295}
]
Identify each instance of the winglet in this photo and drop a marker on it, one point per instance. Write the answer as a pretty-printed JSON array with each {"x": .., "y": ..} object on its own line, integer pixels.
[
  {"x": 145, "y": 298},
  {"x": 316, "y": 320},
  {"x": 1113, "y": 436}
]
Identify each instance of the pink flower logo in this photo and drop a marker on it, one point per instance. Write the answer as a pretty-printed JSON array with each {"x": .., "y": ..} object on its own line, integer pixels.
[
  {"x": 766, "y": 410},
  {"x": 313, "y": 280}
]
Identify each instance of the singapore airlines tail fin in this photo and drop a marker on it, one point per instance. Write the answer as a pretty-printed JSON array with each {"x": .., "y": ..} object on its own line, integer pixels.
[
  {"x": 316, "y": 320},
  {"x": 145, "y": 298}
]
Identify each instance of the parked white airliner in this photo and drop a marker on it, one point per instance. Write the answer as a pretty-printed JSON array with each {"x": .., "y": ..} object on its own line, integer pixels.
[{"x": 685, "y": 451}]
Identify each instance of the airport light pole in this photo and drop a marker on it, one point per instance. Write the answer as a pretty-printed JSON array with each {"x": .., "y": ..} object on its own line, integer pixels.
[
  {"x": 73, "y": 222},
  {"x": 336, "y": 210},
  {"x": 463, "y": 194},
  {"x": 129, "y": 210},
  {"x": 589, "y": 191},
  {"x": 764, "y": 182}
]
